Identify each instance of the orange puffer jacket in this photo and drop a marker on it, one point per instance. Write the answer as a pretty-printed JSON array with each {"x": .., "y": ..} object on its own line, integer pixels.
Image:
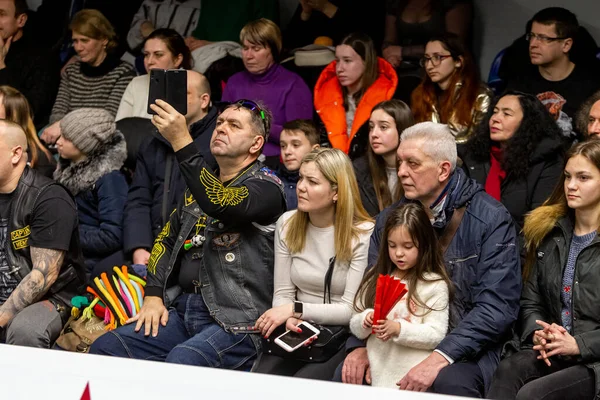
[{"x": 329, "y": 102}]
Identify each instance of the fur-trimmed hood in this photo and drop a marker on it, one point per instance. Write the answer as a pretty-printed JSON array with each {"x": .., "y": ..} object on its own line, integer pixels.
[
  {"x": 83, "y": 175},
  {"x": 540, "y": 222}
]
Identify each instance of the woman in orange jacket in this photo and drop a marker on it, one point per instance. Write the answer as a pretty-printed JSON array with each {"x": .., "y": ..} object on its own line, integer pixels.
[{"x": 349, "y": 88}]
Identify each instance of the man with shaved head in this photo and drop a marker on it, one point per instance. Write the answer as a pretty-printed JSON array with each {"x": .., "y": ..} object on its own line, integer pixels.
[
  {"x": 149, "y": 203},
  {"x": 41, "y": 267}
]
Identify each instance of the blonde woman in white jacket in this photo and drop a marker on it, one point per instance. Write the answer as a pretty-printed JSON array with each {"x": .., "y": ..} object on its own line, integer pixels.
[{"x": 418, "y": 321}]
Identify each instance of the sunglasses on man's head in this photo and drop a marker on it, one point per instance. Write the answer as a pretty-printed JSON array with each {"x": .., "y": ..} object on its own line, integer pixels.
[{"x": 247, "y": 104}]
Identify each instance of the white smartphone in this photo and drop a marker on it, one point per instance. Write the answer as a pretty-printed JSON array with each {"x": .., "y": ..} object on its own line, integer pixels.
[{"x": 290, "y": 341}]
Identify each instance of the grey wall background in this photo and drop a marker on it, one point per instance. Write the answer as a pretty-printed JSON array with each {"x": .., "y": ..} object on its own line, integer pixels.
[{"x": 499, "y": 22}]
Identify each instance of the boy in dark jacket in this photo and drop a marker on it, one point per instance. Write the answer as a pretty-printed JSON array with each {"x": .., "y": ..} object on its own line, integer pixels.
[{"x": 297, "y": 139}]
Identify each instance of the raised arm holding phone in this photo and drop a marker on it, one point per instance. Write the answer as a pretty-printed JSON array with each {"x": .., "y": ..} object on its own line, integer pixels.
[{"x": 222, "y": 225}]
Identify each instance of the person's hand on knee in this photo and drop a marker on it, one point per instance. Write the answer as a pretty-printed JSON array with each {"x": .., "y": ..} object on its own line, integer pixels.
[
  {"x": 152, "y": 313},
  {"x": 356, "y": 367},
  {"x": 421, "y": 377}
]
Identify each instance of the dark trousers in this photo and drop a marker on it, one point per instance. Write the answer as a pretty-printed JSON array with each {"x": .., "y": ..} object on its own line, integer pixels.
[
  {"x": 459, "y": 379},
  {"x": 274, "y": 365},
  {"x": 522, "y": 376},
  {"x": 107, "y": 264},
  {"x": 191, "y": 337}
]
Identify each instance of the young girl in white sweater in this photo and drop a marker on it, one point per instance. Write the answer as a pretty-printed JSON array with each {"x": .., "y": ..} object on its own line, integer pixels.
[{"x": 418, "y": 321}]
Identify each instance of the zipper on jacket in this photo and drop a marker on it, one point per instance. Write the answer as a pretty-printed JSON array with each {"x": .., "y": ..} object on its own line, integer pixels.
[
  {"x": 462, "y": 259},
  {"x": 575, "y": 283}
]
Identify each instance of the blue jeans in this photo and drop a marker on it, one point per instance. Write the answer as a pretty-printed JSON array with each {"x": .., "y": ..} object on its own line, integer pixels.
[{"x": 191, "y": 337}]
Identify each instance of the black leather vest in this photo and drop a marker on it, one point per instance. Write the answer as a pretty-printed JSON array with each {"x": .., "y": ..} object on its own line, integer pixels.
[{"x": 71, "y": 280}]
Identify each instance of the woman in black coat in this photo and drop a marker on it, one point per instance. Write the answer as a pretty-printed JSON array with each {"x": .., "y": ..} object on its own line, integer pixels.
[
  {"x": 516, "y": 153},
  {"x": 377, "y": 171},
  {"x": 559, "y": 322}
]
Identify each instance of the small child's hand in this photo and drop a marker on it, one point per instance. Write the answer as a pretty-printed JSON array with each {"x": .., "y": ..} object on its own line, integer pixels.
[
  {"x": 413, "y": 307},
  {"x": 385, "y": 329},
  {"x": 368, "y": 322}
]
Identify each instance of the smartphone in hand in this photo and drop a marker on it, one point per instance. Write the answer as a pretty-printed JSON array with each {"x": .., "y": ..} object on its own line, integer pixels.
[
  {"x": 169, "y": 85},
  {"x": 290, "y": 341}
]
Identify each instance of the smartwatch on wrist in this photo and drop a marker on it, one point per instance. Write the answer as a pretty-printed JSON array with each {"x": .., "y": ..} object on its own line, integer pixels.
[{"x": 298, "y": 309}]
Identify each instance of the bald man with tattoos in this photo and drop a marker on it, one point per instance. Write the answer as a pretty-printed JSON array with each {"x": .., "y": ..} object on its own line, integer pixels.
[{"x": 41, "y": 267}]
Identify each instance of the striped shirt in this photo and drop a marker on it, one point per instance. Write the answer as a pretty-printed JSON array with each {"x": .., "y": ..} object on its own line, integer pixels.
[
  {"x": 180, "y": 15},
  {"x": 78, "y": 89}
]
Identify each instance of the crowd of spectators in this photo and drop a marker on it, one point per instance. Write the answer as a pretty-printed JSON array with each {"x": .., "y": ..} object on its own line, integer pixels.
[{"x": 276, "y": 199}]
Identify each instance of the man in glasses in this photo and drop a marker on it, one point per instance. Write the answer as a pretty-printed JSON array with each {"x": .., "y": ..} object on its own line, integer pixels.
[
  {"x": 215, "y": 253},
  {"x": 555, "y": 79}
]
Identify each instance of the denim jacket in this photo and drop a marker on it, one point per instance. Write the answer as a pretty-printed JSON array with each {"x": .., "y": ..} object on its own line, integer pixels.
[{"x": 236, "y": 271}]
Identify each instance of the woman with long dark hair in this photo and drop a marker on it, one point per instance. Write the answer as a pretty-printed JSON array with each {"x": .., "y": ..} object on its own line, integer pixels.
[
  {"x": 377, "y": 171},
  {"x": 516, "y": 153},
  {"x": 559, "y": 355},
  {"x": 450, "y": 92},
  {"x": 349, "y": 88}
]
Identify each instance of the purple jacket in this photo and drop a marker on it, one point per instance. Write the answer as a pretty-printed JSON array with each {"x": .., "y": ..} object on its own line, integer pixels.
[{"x": 283, "y": 92}]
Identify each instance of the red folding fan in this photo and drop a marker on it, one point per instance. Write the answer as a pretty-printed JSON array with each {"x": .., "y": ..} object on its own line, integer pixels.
[{"x": 388, "y": 291}]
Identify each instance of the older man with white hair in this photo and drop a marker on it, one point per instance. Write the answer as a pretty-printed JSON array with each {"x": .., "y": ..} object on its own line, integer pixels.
[{"x": 482, "y": 258}]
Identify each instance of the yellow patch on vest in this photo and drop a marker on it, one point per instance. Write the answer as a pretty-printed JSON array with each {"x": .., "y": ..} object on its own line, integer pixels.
[
  {"x": 20, "y": 244},
  {"x": 20, "y": 237},
  {"x": 20, "y": 233}
]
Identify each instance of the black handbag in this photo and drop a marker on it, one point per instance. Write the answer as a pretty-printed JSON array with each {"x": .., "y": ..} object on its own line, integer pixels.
[{"x": 331, "y": 339}]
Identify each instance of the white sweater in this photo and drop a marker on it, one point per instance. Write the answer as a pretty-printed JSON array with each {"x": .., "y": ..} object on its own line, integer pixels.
[
  {"x": 419, "y": 335},
  {"x": 302, "y": 276},
  {"x": 134, "y": 102}
]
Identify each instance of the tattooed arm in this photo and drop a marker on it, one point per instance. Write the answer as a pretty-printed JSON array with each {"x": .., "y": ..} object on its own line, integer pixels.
[{"x": 46, "y": 267}]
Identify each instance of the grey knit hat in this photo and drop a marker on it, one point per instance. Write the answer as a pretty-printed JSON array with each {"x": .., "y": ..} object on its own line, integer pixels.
[{"x": 87, "y": 128}]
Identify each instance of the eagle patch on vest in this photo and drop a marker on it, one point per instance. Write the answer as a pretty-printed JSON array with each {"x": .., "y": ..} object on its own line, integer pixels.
[
  {"x": 20, "y": 238},
  {"x": 218, "y": 194}
]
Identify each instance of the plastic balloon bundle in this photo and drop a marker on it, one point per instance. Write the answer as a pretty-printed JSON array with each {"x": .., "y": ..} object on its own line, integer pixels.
[{"x": 116, "y": 298}]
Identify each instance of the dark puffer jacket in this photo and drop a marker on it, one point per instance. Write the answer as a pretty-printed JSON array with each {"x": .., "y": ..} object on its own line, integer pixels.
[
  {"x": 521, "y": 195},
  {"x": 542, "y": 290},
  {"x": 143, "y": 213},
  {"x": 484, "y": 266},
  {"x": 100, "y": 191}
]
